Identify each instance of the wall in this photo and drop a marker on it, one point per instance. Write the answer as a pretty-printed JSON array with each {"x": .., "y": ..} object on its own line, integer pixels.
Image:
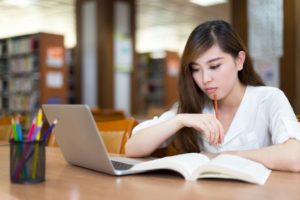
[
  {"x": 297, "y": 29},
  {"x": 290, "y": 62},
  {"x": 287, "y": 62}
]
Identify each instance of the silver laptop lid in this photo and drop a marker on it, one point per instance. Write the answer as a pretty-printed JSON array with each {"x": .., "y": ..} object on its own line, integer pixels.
[{"x": 78, "y": 137}]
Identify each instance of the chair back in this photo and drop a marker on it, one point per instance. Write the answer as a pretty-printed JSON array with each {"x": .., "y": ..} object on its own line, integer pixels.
[
  {"x": 116, "y": 133},
  {"x": 107, "y": 114},
  {"x": 5, "y": 128},
  {"x": 52, "y": 141}
]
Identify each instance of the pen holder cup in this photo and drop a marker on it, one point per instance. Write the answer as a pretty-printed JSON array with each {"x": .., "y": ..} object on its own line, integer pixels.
[{"x": 27, "y": 161}]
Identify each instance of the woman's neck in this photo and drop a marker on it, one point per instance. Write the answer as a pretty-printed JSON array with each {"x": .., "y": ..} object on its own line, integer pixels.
[{"x": 232, "y": 101}]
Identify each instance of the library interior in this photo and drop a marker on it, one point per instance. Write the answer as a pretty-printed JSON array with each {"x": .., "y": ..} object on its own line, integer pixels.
[
  {"x": 123, "y": 55},
  {"x": 122, "y": 59}
]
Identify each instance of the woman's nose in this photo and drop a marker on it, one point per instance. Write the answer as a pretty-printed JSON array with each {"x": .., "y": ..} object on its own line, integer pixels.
[{"x": 206, "y": 76}]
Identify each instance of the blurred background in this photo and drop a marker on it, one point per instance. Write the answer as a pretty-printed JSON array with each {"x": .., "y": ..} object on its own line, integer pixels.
[{"x": 125, "y": 54}]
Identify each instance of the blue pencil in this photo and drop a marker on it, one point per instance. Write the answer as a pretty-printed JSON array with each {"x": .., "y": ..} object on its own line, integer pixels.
[
  {"x": 19, "y": 130},
  {"x": 49, "y": 130}
]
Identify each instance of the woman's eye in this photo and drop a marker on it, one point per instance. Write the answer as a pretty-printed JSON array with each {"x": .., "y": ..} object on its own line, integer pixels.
[
  {"x": 214, "y": 66},
  {"x": 195, "y": 70}
]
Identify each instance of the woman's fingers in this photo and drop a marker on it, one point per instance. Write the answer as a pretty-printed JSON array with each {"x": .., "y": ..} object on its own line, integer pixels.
[
  {"x": 213, "y": 130},
  {"x": 221, "y": 132},
  {"x": 216, "y": 132},
  {"x": 209, "y": 126},
  {"x": 210, "y": 130},
  {"x": 206, "y": 132}
]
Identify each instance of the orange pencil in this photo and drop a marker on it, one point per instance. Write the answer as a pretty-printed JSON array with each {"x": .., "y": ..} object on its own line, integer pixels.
[
  {"x": 216, "y": 106},
  {"x": 216, "y": 112}
]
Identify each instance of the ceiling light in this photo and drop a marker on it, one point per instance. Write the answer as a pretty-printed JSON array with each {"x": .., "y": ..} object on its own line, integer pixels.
[
  {"x": 208, "y": 2},
  {"x": 158, "y": 55},
  {"x": 20, "y": 3}
]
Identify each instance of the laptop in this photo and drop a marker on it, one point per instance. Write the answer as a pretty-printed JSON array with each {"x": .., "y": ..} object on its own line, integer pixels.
[{"x": 81, "y": 143}]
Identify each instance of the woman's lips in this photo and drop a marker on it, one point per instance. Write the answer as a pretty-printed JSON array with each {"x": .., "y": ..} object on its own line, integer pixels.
[{"x": 211, "y": 90}]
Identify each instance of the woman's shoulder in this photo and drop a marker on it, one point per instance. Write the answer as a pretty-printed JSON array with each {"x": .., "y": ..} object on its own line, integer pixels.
[
  {"x": 268, "y": 89},
  {"x": 264, "y": 92}
]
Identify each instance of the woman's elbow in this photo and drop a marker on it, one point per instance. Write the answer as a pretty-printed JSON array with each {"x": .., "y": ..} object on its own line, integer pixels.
[
  {"x": 294, "y": 163},
  {"x": 129, "y": 152},
  {"x": 293, "y": 155}
]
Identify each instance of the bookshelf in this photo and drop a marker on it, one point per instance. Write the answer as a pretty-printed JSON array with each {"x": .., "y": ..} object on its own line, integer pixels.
[
  {"x": 70, "y": 56},
  {"x": 32, "y": 72},
  {"x": 156, "y": 81}
]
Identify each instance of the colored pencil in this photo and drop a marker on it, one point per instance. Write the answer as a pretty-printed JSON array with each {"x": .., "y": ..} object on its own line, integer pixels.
[
  {"x": 39, "y": 123},
  {"x": 14, "y": 130},
  {"x": 19, "y": 130},
  {"x": 49, "y": 130},
  {"x": 31, "y": 130},
  {"x": 36, "y": 131}
]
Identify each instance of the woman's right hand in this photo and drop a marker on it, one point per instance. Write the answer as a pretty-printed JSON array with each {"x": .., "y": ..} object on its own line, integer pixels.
[{"x": 207, "y": 124}]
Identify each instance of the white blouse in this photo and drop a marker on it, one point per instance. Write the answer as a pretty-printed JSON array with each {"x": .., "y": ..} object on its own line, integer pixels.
[{"x": 264, "y": 117}]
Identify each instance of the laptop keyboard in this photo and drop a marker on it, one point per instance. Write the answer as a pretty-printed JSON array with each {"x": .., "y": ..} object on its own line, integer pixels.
[{"x": 121, "y": 166}]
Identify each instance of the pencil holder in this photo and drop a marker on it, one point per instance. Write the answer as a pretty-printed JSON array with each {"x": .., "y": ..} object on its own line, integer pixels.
[{"x": 27, "y": 161}]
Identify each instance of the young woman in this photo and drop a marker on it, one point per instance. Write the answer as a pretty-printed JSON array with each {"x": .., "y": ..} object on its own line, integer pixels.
[{"x": 253, "y": 121}]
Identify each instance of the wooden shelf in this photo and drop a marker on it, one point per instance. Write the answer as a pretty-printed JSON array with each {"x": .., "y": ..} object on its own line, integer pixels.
[
  {"x": 156, "y": 81},
  {"x": 33, "y": 73}
]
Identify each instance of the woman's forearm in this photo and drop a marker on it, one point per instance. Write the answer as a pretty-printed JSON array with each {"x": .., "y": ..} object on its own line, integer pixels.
[
  {"x": 285, "y": 157},
  {"x": 147, "y": 140}
]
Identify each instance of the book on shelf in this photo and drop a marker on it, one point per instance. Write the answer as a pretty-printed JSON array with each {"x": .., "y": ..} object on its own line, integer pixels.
[{"x": 194, "y": 166}]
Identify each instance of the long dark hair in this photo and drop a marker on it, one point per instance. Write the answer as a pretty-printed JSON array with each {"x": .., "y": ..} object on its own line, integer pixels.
[{"x": 191, "y": 98}]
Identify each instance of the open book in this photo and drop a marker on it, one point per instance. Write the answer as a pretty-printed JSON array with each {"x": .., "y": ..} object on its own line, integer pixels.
[{"x": 194, "y": 166}]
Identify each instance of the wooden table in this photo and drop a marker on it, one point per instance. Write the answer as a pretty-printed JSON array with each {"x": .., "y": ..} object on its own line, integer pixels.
[
  {"x": 3, "y": 143},
  {"x": 64, "y": 181}
]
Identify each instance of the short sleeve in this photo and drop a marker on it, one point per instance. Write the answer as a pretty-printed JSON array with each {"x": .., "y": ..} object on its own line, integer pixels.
[
  {"x": 156, "y": 120},
  {"x": 283, "y": 122}
]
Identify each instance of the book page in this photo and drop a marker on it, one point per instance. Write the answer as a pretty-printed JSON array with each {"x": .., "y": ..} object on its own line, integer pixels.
[
  {"x": 237, "y": 168},
  {"x": 183, "y": 163}
]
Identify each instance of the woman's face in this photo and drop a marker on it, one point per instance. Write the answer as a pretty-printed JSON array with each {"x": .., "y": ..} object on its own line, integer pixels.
[{"x": 216, "y": 72}]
